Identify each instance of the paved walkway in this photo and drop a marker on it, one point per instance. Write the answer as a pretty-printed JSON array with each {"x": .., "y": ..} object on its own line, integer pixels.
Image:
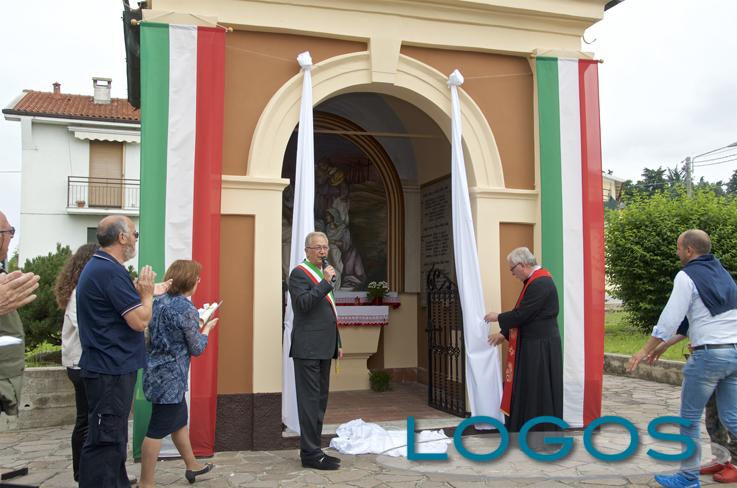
[{"x": 47, "y": 454}]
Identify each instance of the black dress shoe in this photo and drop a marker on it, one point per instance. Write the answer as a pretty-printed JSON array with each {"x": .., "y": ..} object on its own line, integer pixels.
[
  {"x": 192, "y": 475},
  {"x": 320, "y": 463},
  {"x": 332, "y": 459}
]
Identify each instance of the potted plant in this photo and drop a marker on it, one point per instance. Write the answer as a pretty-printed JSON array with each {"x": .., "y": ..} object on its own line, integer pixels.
[
  {"x": 80, "y": 203},
  {"x": 376, "y": 291},
  {"x": 380, "y": 381}
]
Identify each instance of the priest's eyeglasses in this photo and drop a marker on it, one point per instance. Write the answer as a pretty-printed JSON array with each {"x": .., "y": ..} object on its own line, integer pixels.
[
  {"x": 512, "y": 268},
  {"x": 10, "y": 231}
]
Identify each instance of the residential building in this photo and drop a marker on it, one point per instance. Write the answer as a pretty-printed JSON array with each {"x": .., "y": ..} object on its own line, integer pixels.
[
  {"x": 80, "y": 161},
  {"x": 611, "y": 186}
]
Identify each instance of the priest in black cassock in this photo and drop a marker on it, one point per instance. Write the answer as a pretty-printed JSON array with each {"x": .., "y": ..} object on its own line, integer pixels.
[{"x": 533, "y": 373}]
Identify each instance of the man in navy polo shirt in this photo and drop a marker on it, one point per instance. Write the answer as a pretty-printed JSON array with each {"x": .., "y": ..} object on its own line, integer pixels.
[{"x": 112, "y": 312}]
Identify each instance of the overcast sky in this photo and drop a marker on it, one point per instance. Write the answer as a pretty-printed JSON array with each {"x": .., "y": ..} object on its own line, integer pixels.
[{"x": 668, "y": 84}]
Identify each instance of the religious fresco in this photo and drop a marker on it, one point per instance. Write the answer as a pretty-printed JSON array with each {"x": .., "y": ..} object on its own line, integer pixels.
[{"x": 350, "y": 208}]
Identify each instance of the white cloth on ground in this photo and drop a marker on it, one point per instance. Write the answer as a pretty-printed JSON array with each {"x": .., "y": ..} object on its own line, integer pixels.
[{"x": 359, "y": 437}]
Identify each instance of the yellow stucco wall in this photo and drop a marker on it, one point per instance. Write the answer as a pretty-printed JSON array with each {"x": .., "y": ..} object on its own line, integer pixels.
[{"x": 361, "y": 46}]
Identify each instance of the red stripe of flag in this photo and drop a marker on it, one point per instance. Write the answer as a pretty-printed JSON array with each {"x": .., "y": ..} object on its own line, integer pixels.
[
  {"x": 206, "y": 227},
  {"x": 593, "y": 239}
]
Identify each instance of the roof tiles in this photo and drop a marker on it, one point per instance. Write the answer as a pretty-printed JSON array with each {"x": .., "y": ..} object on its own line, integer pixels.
[{"x": 67, "y": 106}]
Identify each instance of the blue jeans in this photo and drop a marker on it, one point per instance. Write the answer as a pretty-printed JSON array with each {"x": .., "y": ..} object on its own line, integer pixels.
[{"x": 708, "y": 370}]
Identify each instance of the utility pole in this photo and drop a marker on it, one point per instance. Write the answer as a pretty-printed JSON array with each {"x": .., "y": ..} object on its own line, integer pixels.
[{"x": 689, "y": 166}]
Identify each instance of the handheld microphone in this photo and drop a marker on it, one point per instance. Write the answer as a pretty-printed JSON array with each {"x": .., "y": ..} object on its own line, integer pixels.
[{"x": 325, "y": 264}]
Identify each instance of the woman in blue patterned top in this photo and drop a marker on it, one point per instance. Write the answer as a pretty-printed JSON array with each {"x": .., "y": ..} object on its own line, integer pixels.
[{"x": 175, "y": 337}]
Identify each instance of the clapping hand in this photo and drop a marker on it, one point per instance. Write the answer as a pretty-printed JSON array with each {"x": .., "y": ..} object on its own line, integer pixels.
[
  {"x": 16, "y": 290},
  {"x": 145, "y": 281},
  {"x": 161, "y": 288}
]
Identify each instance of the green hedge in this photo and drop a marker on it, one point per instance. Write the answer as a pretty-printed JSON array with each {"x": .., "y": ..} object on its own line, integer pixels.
[
  {"x": 641, "y": 258},
  {"x": 42, "y": 318}
]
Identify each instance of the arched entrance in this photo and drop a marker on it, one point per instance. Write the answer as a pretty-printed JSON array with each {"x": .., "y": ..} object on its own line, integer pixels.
[
  {"x": 415, "y": 84},
  {"x": 359, "y": 203},
  {"x": 370, "y": 151}
]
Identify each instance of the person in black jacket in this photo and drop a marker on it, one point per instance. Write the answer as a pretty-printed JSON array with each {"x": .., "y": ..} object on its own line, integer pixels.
[
  {"x": 533, "y": 374},
  {"x": 315, "y": 341}
]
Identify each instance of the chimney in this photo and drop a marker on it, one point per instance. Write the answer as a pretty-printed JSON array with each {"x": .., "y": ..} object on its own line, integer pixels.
[
  {"x": 57, "y": 89},
  {"x": 102, "y": 89}
]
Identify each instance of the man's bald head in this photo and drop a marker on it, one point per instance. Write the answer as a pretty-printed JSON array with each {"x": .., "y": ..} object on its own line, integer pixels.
[
  {"x": 696, "y": 239},
  {"x": 110, "y": 228}
]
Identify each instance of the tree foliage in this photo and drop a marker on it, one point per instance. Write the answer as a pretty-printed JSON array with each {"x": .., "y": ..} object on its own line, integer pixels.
[
  {"x": 671, "y": 181},
  {"x": 732, "y": 184},
  {"x": 42, "y": 318},
  {"x": 641, "y": 259}
]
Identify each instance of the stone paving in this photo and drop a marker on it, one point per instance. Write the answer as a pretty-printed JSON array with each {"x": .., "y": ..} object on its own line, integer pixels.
[{"x": 47, "y": 454}]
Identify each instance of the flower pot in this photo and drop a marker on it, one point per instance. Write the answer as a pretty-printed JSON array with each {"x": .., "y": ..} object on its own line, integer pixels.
[{"x": 80, "y": 203}]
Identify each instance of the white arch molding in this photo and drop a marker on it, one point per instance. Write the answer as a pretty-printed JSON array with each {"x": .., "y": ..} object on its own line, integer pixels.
[
  {"x": 415, "y": 82},
  {"x": 259, "y": 192}
]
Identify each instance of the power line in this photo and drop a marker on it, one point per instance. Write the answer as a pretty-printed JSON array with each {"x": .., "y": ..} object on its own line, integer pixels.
[
  {"x": 729, "y": 146},
  {"x": 720, "y": 162},
  {"x": 715, "y": 159}
]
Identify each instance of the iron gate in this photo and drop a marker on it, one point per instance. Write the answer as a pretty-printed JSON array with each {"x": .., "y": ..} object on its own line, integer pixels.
[{"x": 446, "y": 352}]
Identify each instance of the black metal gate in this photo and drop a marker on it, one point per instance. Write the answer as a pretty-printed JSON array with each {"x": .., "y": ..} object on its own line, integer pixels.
[{"x": 446, "y": 352}]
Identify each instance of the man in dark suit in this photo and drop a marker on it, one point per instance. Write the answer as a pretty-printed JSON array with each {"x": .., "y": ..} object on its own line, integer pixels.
[{"x": 315, "y": 341}]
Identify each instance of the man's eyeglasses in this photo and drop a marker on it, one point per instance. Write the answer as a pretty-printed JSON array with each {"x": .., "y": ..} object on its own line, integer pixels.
[
  {"x": 512, "y": 268},
  {"x": 10, "y": 231},
  {"x": 136, "y": 234},
  {"x": 319, "y": 248}
]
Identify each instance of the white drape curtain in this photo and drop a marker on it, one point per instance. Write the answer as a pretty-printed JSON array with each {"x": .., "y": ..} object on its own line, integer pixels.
[
  {"x": 303, "y": 222},
  {"x": 483, "y": 373}
]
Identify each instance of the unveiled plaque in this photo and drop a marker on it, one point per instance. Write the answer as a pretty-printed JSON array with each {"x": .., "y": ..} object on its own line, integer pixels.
[{"x": 437, "y": 230}]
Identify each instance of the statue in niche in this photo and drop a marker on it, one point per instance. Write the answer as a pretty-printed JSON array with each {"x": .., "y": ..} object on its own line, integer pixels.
[
  {"x": 343, "y": 254},
  {"x": 333, "y": 205},
  {"x": 350, "y": 207}
]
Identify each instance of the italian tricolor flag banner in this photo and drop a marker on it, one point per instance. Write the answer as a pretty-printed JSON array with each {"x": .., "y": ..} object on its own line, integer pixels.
[
  {"x": 573, "y": 223},
  {"x": 182, "y": 79}
]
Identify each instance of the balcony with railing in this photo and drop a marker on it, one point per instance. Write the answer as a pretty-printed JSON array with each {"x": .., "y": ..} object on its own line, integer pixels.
[{"x": 93, "y": 195}]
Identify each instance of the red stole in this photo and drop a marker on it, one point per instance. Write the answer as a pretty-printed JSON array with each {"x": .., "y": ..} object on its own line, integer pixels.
[{"x": 512, "y": 350}]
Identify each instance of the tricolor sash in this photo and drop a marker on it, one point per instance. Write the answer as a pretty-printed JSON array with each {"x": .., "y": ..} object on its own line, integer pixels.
[
  {"x": 315, "y": 274},
  {"x": 512, "y": 350}
]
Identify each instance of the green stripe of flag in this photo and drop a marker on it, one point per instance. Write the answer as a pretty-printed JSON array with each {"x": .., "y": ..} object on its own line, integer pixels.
[
  {"x": 154, "y": 129},
  {"x": 550, "y": 174}
]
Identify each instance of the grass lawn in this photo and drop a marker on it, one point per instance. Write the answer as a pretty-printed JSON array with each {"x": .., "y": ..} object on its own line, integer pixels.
[{"x": 620, "y": 338}]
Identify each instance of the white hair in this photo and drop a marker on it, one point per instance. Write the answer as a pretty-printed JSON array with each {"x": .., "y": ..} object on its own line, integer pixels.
[
  {"x": 521, "y": 255},
  {"x": 312, "y": 235}
]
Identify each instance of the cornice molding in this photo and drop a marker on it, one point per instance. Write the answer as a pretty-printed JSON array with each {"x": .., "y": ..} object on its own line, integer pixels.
[
  {"x": 250, "y": 183},
  {"x": 521, "y": 25},
  {"x": 504, "y": 194}
]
